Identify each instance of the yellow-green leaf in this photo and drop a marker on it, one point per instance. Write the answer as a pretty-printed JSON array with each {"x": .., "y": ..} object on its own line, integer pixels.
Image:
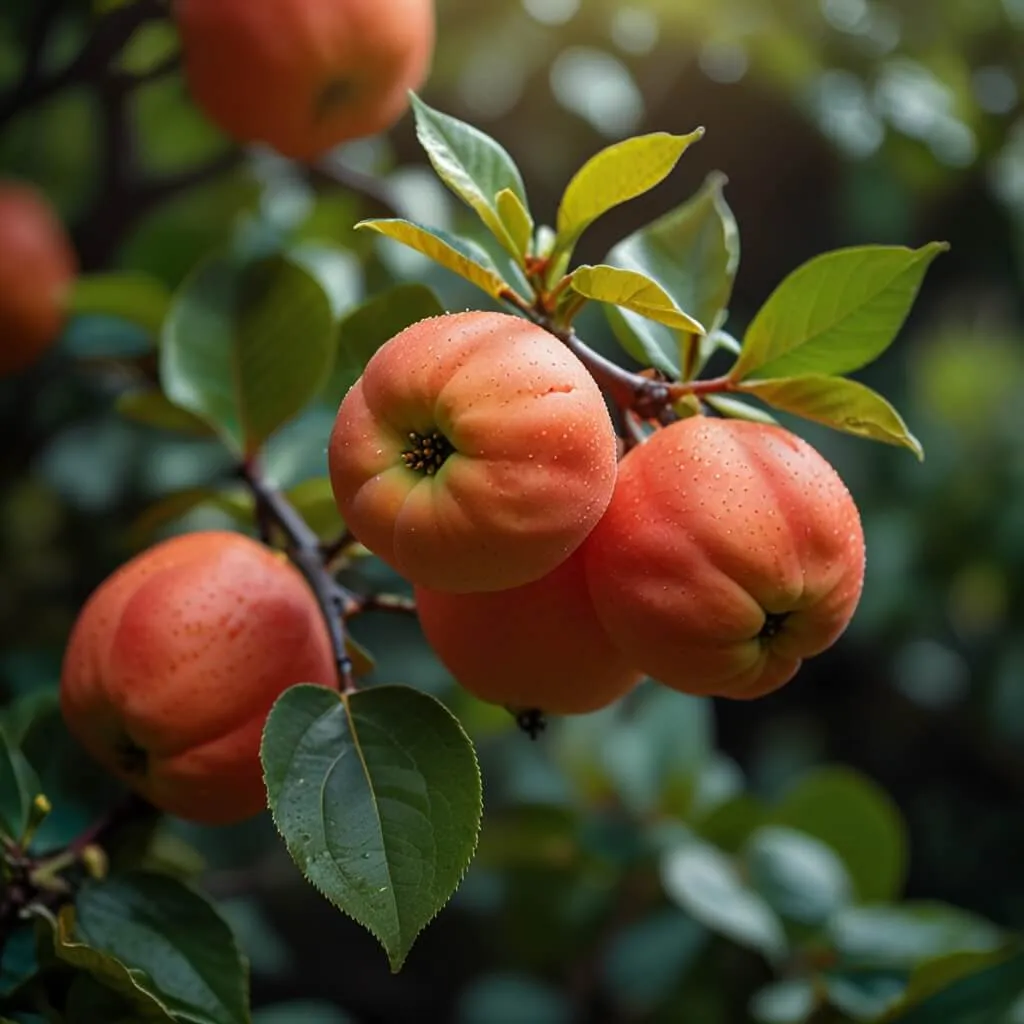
[
  {"x": 839, "y": 403},
  {"x": 634, "y": 291},
  {"x": 455, "y": 254},
  {"x": 472, "y": 164},
  {"x": 734, "y": 409},
  {"x": 517, "y": 221},
  {"x": 618, "y": 173},
  {"x": 836, "y": 312}
]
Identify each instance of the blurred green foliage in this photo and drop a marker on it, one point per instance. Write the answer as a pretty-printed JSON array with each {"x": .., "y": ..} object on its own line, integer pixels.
[{"x": 654, "y": 862}]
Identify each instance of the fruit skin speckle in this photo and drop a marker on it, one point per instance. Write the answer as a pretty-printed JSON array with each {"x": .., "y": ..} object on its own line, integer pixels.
[
  {"x": 729, "y": 553},
  {"x": 175, "y": 661}
]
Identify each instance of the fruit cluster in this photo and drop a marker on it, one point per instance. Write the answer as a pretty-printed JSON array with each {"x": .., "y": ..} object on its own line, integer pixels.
[{"x": 477, "y": 457}]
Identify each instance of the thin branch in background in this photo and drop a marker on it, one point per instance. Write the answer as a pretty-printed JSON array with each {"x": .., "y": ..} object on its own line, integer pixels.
[
  {"x": 333, "y": 549},
  {"x": 112, "y": 31},
  {"x": 373, "y": 189},
  {"x": 163, "y": 68}
]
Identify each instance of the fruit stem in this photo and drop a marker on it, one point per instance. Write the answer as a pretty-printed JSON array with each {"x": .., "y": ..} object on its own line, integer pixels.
[
  {"x": 649, "y": 397},
  {"x": 306, "y": 553}
]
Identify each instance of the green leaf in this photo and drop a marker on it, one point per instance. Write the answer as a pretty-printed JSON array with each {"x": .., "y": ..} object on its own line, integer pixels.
[
  {"x": 128, "y": 295},
  {"x": 906, "y": 934},
  {"x": 152, "y": 408},
  {"x": 650, "y": 344},
  {"x": 510, "y": 997},
  {"x": 836, "y": 313},
  {"x": 176, "y": 947},
  {"x": 529, "y": 835},
  {"x": 302, "y": 1011},
  {"x": 337, "y": 270},
  {"x": 859, "y": 820},
  {"x": 80, "y": 790},
  {"x": 20, "y": 961},
  {"x": 648, "y": 751},
  {"x": 615, "y": 175},
  {"x": 864, "y": 994},
  {"x": 933, "y": 976},
  {"x": 842, "y": 404},
  {"x": 133, "y": 986},
  {"x": 19, "y": 786},
  {"x": 517, "y": 220},
  {"x": 472, "y": 164},
  {"x": 89, "y": 1001},
  {"x": 692, "y": 252},
  {"x": 634, "y": 291},
  {"x": 247, "y": 345},
  {"x": 646, "y": 961},
  {"x": 95, "y": 337},
  {"x": 658, "y": 748},
  {"x": 459, "y": 255},
  {"x": 707, "y": 885},
  {"x": 733, "y": 408},
  {"x": 981, "y": 997},
  {"x": 314, "y": 500},
  {"x": 236, "y": 503},
  {"x": 784, "y": 1002},
  {"x": 377, "y": 795},
  {"x": 801, "y": 878},
  {"x": 371, "y": 324}
]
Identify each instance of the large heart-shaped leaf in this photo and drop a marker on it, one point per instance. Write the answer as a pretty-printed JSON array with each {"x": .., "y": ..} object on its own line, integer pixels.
[{"x": 377, "y": 795}]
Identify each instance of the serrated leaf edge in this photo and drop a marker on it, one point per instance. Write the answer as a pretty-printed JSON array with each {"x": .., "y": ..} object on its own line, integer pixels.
[{"x": 395, "y": 963}]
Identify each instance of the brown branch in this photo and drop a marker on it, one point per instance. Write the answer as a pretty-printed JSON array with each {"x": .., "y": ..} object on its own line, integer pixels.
[
  {"x": 649, "y": 398},
  {"x": 303, "y": 545},
  {"x": 366, "y": 185},
  {"x": 110, "y": 34},
  {"x": 33, "y": 878}
]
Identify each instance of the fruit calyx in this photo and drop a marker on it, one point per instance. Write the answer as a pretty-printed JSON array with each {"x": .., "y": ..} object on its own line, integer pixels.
[
  {"x": 132, "y": 758},
  {"x": 773, "y": 625},
  {"x": 427, "y": 452}
]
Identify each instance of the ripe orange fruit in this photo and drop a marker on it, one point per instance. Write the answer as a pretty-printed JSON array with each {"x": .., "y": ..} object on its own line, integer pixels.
[
  {"x": 304, "y": 75},
  {"x": 535, "y": 647},
  {"x": 730, "y": 552},
  {"x": 175, "y": 661},
  {"x": 475, "y": 453},
  {"x": 37, "y": 266}
]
